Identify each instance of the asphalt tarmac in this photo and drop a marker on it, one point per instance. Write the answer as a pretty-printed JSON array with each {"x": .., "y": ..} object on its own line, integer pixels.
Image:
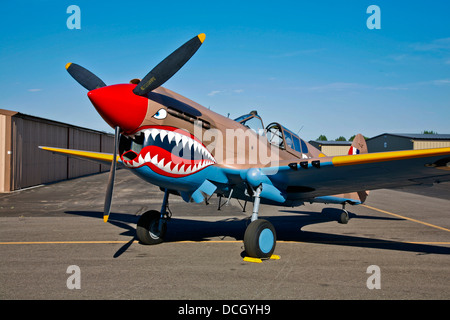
[{"x": 55, "y": 245}]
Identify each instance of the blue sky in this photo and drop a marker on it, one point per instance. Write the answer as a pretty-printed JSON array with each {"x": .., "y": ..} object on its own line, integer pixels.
[{"x": 310, "y": 65}]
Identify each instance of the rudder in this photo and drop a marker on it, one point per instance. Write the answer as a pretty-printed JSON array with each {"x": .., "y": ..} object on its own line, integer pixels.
[{"x": 359, "y": 145}]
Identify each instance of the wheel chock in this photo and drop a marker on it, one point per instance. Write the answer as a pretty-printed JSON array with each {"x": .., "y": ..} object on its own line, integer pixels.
[
  {"x": 254, "y": 260},
  {"x": 258, "y": 260}
]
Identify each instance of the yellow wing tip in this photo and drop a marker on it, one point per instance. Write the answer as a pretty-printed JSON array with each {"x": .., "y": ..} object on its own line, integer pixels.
[
  {"x": 105, "y": 218},
  {"x": 202, "y": 37},
  {"x": 68, "y": 65}
]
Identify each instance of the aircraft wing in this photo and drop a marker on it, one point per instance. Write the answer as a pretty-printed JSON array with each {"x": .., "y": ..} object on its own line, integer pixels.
[
  {"x": 100, "y": 157},
  {"x": 352, "y": 173},
  {"x": 327, "y": 176}
]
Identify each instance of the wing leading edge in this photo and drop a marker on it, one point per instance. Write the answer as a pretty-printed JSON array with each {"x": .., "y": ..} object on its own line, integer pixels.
[
  {"x": 389, "y": 156},
  {"x": 337, "y": 175}
]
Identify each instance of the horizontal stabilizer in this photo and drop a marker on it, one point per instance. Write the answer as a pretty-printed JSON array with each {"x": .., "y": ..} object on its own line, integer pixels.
[{"x": 336, "y": 200}]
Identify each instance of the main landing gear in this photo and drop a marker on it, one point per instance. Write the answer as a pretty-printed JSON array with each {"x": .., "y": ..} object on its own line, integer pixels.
[
  {"x": 152, "y": 225},
  {"x": 260, "y": 236}
]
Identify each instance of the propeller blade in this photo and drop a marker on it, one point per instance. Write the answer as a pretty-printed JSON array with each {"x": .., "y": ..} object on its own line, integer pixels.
[
  {"x": 112, "y": 174},
  {"x": 84, "y": 77},
  {"x": 169, "y": 66}
]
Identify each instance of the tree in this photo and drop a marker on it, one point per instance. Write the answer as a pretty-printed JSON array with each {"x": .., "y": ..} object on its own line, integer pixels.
[
  {"x": 429, "y": 132},
  {"x": 322, "y": 138},
  {"x": 341, "y": 138}
]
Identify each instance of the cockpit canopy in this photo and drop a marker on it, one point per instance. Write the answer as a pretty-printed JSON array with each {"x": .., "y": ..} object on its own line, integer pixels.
[
  {"x": 283, "y": 137},
  {"x": 252, "y": 121},
  {"x": 276, "y": 134}
]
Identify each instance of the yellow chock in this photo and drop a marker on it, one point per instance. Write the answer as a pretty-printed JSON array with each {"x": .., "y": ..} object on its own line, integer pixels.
[
  {"x": 250, "y": 259},
  {"x": 258, "y": 260}
]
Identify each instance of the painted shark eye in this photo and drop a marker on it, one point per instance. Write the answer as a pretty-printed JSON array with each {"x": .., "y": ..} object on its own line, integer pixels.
[{"x": 161, "y": 114}]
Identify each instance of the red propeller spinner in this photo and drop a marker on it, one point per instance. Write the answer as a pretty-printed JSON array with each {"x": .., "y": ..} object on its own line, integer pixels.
[{"x": 119, "y": 106}]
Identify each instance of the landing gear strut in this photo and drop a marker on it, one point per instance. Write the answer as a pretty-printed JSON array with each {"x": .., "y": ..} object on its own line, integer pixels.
[
  {"x": 152, "y": 225},
  {"x": 260, "y": 236}
]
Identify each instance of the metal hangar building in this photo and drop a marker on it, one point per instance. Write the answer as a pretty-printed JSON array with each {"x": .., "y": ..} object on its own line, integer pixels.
[
  {"x": 407, "y": 141},
  {"x": 23, "y": 164}
]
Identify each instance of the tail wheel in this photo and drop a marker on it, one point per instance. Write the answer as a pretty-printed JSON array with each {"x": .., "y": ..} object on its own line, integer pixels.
[
  {"x": 147, "y": 229},
  {"x": 260, "y": 239},
  {"x": 344, "y": 218}
]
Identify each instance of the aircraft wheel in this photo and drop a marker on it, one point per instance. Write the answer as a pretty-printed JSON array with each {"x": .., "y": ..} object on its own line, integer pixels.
[
  {"x": 344, "y": 218},
  {"x": 147, "y": 228},
  {"x": 260, "y": 239}
]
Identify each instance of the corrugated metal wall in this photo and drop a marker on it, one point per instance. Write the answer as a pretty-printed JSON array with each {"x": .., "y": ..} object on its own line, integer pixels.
[
  {"x": 107, "y": 145},
  {"x": 32, "y": 166},
  {"x": 5, "y": 157},
  {"x": 82, "y": 140},
  {"x": 335, "y": 150},
  {"x": 389, "y": 142},
  {"x": 332, "y": 148},
  {"x": 427, "y": 144}
]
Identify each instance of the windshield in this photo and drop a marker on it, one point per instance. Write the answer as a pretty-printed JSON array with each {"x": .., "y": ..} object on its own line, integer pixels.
[{"x": 252, "y": 121}]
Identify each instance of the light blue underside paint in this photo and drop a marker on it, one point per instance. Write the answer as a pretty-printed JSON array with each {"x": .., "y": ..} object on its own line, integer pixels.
[
  {"x": 336, "y": 200},
  {"x": 188, "y": 185}
]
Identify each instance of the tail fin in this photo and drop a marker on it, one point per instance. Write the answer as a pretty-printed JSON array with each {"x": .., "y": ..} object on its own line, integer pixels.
[{"x": 359, "y": 145}]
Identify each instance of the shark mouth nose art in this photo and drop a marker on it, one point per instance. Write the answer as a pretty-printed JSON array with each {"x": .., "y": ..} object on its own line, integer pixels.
[{"x": 167, "y": 150}]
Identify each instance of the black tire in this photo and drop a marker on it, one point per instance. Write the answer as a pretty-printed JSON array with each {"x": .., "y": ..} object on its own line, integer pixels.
[
  {"x": 147, "y": 228},
  {"x": 260, "y": 239}
]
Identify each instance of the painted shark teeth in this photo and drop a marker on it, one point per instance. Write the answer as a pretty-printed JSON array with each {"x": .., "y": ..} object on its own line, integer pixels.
[
  {"x": 181, "y": 141},
  {"x": 179, "y": 168},
  {"x": 176, "y": 137}
]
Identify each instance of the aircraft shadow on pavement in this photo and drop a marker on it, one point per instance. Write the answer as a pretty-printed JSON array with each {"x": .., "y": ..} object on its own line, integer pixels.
[{"x": 288, "y": 228}]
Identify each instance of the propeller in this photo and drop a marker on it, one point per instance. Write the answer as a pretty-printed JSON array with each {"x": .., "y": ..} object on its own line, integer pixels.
[
  {"x": 84, "y": 77},
  {"x": 112, "y": 175},
  {"x": 169, "y": 66},
  {"x": 122, "y": 109}
]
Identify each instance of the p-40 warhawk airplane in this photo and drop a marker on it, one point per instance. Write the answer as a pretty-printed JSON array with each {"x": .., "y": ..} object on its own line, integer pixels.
[{"x": 161, "y": 137}]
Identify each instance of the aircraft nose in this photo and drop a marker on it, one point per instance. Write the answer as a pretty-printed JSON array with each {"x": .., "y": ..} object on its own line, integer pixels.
[{"x": 119, "y": 106}]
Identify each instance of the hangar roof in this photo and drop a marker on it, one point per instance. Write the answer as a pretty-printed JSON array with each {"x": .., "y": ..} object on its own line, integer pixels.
[
  {"x": 331, "y": 143},
  {"x": 416, "y": 136}
]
